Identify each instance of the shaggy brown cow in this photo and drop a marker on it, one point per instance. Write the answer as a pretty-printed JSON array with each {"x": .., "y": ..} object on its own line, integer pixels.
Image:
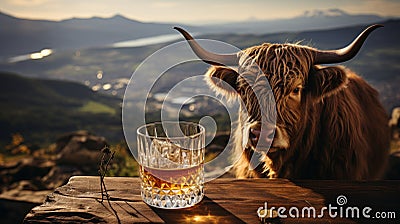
[{"x": 329, "y": 121}]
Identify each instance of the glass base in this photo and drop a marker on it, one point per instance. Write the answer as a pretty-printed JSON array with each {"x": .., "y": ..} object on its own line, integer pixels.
[{"x": 168, "y": 199}]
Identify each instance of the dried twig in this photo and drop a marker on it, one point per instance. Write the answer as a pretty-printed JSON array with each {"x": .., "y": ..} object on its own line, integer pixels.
[{"x": 104, "y": 162}]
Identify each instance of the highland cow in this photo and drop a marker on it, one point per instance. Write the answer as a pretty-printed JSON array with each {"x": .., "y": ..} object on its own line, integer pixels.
[{"x": 329, "y": 122}]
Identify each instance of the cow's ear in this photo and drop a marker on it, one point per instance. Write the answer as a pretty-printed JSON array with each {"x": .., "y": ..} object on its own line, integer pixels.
[
  {"x": 223, "y": 80},
  {"x": 323, "y": 82}
]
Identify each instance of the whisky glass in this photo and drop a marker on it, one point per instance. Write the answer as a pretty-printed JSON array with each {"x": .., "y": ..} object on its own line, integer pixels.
[{"x": 171, "y": 159}]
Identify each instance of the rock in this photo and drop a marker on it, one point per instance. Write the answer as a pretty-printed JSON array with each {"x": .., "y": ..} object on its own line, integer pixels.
[
  {"x": 30, "y": 169},
  {"x": 59, "y": 175},
  {"x": 80, "y": 149},
  {"x": 78, "y": 153},
  {"x": 88, "y": 140},
  {"x": 25, "y": 191},
  {"x": 25, "y": 184},
  {"x": 393, "y": 169},
  {"x": 395, "y": 118}
]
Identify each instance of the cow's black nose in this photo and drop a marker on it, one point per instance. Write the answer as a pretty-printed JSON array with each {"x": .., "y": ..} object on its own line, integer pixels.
[
  {"x": 254, "y": 134},
  {"x": 266, "y": 135},
  {"x": 271, "y": 135}
]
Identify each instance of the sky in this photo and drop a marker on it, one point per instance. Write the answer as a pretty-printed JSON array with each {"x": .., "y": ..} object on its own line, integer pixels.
[{"x": 189, "y": 11}]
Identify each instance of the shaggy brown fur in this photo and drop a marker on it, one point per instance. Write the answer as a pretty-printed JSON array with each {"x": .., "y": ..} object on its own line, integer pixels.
[{"x": 330, "y": 123}]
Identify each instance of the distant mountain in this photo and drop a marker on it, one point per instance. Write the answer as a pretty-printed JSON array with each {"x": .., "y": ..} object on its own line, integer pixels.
[
  {"x": 23, "y": 36},
  {"x": 41, "y": 109},
  {"x": 309, "y": 20}
]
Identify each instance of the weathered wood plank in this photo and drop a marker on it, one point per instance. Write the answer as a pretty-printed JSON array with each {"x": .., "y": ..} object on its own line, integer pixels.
[
  {"x": 226, "y": 201},
  {"x": 79, "y": 201}
]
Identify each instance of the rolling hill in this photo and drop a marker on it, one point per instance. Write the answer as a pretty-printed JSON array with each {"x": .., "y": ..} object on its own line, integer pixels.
[
  {"x": 22, "y": 36},
  {"x": 40, "y": 110}
]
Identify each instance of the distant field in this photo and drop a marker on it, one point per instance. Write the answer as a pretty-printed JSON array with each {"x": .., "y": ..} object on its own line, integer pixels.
[{"x": 97, "y": 108}]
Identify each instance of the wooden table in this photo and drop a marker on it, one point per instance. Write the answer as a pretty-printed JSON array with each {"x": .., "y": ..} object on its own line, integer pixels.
[{"x": 226, "y": 201}]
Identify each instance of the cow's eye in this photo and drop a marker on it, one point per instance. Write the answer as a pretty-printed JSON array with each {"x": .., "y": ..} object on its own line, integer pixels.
[{"x": 296, "y": 90}]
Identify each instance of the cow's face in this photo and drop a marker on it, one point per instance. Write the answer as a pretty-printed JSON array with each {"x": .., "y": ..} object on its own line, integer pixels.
[{"x": 294, "y": 82}]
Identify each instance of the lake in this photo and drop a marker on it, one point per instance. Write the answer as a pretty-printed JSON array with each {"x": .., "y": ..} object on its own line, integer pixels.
[{"x": 129, "y": 43}]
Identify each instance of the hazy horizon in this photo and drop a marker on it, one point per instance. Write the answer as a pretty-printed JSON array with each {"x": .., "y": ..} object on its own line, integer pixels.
[{"x": 190, "y": 12}]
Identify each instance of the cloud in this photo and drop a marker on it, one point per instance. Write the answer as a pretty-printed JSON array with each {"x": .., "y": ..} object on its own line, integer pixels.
[
  {"x": 384, "y": 8},
  {"x": 27, "y": 2},
  {"x": 164, "y": 5}
]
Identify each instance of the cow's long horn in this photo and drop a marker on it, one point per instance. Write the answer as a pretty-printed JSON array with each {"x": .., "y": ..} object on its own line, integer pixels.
[
  {"x": 346, "y": 53},
  {"x": 206, "y": 56}
]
